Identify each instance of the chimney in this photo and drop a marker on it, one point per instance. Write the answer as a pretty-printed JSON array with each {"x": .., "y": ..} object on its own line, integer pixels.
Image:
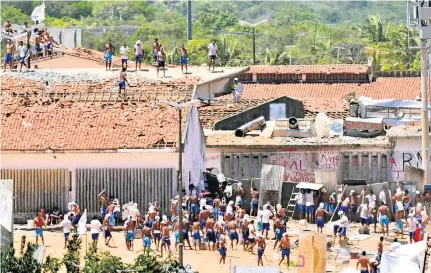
[{"x": 371, "y": 75}]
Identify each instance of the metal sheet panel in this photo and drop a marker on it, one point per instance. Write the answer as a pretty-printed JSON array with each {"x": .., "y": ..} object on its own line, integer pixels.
[
  {"x": 141, "y": 186},
  {"x": 271, "y": 184},
  {"x": 34, "y": 189}
]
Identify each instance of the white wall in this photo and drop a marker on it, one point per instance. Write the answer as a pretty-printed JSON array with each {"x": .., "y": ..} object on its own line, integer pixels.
[
  {"x": 72, "y": 161},
  {"x": 407, "y": 152}
]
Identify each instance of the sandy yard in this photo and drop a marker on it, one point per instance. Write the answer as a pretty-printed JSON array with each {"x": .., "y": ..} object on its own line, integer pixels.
[{"x": 208, "y": 261}]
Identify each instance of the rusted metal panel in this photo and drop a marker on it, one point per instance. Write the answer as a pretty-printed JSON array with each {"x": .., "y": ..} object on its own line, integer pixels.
[
  {"x": 141, "y": 186},
  {"x": 34, "y": 189}
]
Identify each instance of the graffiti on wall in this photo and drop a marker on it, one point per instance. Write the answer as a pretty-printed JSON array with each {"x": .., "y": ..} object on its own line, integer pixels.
[
  {"x": 300, "y": 166},
  {"x": 402, "y": 159}
]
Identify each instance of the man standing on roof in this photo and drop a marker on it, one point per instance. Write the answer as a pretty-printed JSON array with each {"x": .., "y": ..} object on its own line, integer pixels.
[
  {"x": 184, "y": 57},
  {"x": 156, "y": 49},
  {"x": 161, "y": 61},
  {"x": 124, "y": 51},
  {"x": 139, "y": 54},
  {"x": 109, "y": 52},
  {"x": 238, "y": 87},
  {"x": 22, "y": 54},
  {"x": 212, "y": 54},
  {"x": 123, "y": 81},
  {"x": 8, "y": 58}
]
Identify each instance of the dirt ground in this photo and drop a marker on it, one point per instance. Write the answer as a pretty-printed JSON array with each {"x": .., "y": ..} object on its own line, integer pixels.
[{"x": 205, "y": 261}]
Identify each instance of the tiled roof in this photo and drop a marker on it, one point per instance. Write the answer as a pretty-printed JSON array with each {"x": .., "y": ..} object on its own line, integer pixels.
[
  {"x": 66, "y": 61},
  {"x": 382, "y": 88},
  {"x": 309, "y": 69}
]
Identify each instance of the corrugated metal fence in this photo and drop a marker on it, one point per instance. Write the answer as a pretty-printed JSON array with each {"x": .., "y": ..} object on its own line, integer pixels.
[
  {"x": 34, "y": 189},
  {"x": 138, "y": 185}
]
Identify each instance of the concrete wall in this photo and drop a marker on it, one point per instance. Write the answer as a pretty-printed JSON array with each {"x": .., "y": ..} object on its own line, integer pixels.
[
  {"x": 208, "y": 90},
  {"x": 67, "y": 36},
  {"x": 407, "y": 152},
  {"x": 73, "y": 161},
  {"x": 294, "y": 108}
]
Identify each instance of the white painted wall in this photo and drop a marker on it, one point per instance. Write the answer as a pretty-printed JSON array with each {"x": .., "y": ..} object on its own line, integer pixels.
[
  {"x": 407, "y": 152},
  {"x": 72, "y": 161}
]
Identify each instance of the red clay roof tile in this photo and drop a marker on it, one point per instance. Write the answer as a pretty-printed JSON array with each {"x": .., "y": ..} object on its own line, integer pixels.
[{"x": 309, "y": 69}]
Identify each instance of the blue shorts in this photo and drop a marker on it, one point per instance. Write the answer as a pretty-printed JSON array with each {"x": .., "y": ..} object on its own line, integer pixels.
[
  {"x": 166, "y": 240},
  {"x": 107, "y": 233},
  {"x": 196, "y": 236},
  {"x": 265, "y": 226},
  {"x": 39, "y": 232},
  {"x": 354, "y": 209},
  {"x": 185, "y": 234},
  {"x": 161, "y": 63},
  {"x": 222, "y": 251},
  {"x": 155, "y": 56},
  {"x": 345, "y": 209},
  {"x": 183, "y": 60},
  {"x": 365, "y": 271},
  {"x": 194, "y": 208},
  {"x": 103, "y": 211},
  {"x": 260, "y": 253},
  {"x": 384, "y": 220},
  {"x": 285, "y": 252},
  {"x": 94, "y": 236},
  {"x": 370, "y": 220},
  {"x": 320, "y": 222},
  {"x": 419, "y": 219},
  {"x": 203, "y": 223},
  {"x": 22, "y": 60},
  {"x": 66, "y": 235},
  {"x": 364, "y": 221},
  {"x": 340, "y": 230},
  {"x": 122, "y": 84},
  {"x": 309, "y": 209},
  {"x": 147, "y": 241},
  {"x": 108, "y": 56},
  {"x": 253, "y": 204},
  {"x": 301, "y": 208},
  {"x": 112, "y": 220},
  {"x": 399, "y": 225},
  {"x": 412, "y": 234},
  {"x": 279, "y": 234},
  {"x": 75, "y": 219},
  {"x": 124, "y": 61},
  {"x": 259, "y": 225},
  {"x": 251, "y": 240},
  {"x": 138, "y": 58},
  {"x": 177, "y": 236},
  {"x": 233, "y": 236},
  {"x": 211, "y": 236},
  {"x": 130, "y": 236},
  {"x": 8, "y": 58},
  {"x": 157, "y": 236}
]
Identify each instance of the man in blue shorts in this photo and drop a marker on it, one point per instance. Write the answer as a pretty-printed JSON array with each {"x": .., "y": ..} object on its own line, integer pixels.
[
  {"x": 8, "y": 58},
  {"x": 260, "y": 240},
  {"x": 320, "y": 217},
  {"x": 39, "y": 223},
  {"x": 22, "y": 54},
  {"x": 129, "y": 228},
  {"x": 139, "y": 54},
  {"x": 109, "y": 52},
  {"x": 123, "y": 81},
  {"x": 183, "y": 57},
  {"x": 300, "y": 203},
  {"x": 156, "y": 49},
  {"x": 95, "y": 226},
  {"x": 166, "y": 241},
  {"x": 285, "y": 249},
  {"x": 384, "y": 218}
]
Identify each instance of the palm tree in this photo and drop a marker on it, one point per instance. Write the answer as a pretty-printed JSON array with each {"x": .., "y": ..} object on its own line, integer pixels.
[
  {"x": 229, "y": 51},
  {"x": 272, "y": 57}
]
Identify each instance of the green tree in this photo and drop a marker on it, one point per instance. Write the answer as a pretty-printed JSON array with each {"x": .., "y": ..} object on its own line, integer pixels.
[
  {"x": 15, "y": 15},
  {"x": 215, "y": 19}
]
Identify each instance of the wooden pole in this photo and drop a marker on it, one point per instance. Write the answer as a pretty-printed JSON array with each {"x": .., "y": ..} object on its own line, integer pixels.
[{"x": 345, "y": 187}]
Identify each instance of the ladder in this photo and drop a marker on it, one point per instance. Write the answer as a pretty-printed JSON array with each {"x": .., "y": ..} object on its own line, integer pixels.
[{"x": 291, "y": 206}]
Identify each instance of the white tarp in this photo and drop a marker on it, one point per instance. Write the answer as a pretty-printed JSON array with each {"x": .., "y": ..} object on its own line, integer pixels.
[
  {"x": 82, "y": 224},
  {"x": 38, "y": 13},
  {"x": 311, "y": 186},
  {"x": 407, "y": 258}
]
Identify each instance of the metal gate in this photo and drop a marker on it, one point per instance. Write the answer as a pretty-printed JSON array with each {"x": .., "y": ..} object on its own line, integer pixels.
[
  {"x": 141, "y": 186},
  {"x": 38, "y": 188}
]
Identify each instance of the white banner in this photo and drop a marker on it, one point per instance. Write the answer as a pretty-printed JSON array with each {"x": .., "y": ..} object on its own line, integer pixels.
[
  {"x": 38, "y": 13},
  {"x": 82, "y": 224}
]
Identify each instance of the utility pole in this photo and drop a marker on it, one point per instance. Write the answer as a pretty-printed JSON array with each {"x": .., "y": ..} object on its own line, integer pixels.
[
  {"x": 254, "y": 47},
  {"x": 290, "y": 55},
  {"x": 189, "y": 20},
  {"x": 315, "y": 32},
  {"x": 422, "y": 14},
  {"x": 338, "y": 48},
  {"x": 253, "y": 27}
]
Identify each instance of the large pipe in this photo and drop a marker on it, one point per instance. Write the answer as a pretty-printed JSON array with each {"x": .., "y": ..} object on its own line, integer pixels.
[
  {"x": 250, "y": 126},
  {"x": 293, "y": 123}
]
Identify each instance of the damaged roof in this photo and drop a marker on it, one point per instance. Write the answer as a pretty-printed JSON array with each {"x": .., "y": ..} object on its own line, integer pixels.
[{"x": 310, "y": 69}]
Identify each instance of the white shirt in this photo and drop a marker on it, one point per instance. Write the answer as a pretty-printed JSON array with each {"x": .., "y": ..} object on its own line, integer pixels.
[
  {"x": 309, "y": 199},
  {"x": 344, "y": 221},
  {"x": 364, "y": 211},
  {"x": 339, "y": 197},
  {"x": 138, "y": 49},
  {"x": 67, "y": 225},
  {"x": 124, "y": 52},
  {"x": 259, "y": 214},
  {"x": 229, "y": 209},
  {"x": 301, "y": 198},
  {"x": 95, "y": 226},
  {"x": 22, "y": 51},
  {"x": 239, "y": 89},
  {"x": 394, "y": 246},
  {"x": 135, "y": 214},
  {"x": 265, "y": 216},
  {"x": 203, "y": 202},
  {"x": 212, "y": 49},
  {"x": 382, "y": 197},
  {"x": 250, "y": 230},
  {"x": 371, "y": 200},
  {"x": 412, "y": 222}
]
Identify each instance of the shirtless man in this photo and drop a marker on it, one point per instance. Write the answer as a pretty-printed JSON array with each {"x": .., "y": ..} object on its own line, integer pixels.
[
  {"x": 364, "y": 262},
  {"x": 109, "y": 52},
  {"x": 130, "y": 234},
  {"x": 203, "y": 216},
  {"x": 177, "y": 235},
  {"x": 233, "y": 233},
  {"x": 210, "y": 233},
  {"x": 216, "y": 203},
  {"x": 398, "y": 197},
  {"x": 222, "y": 249},
  {"x": 241, "y": 213},
  {"x": 196, "y": 235},
  {"x": 156, "y": 231},
  {"x": 222, "y": 209},
  {"x": 320, "y": 217},
  {"x": 156, "y": 49},
  {"x": 123, "y": 81},
  {"x": 8, "y": 26},
  {"x": 39, "y": 223},
  {"x": 183, "y": 57},
  {"x": 384, "y": 218},
  {"x": 194, "y": 207},
  {"x": 285, "y": 249},
  {"x": 76, "y": 214},
  {"x": 186, "y": 229},
  {"x": 10, "y": 52},
  {"x": 107, "y": 228},
  {"x": 280, "y": 229},
  {"x": 151, "y": 217},
  {"x": 254, "y": 202},
  {"x": 161, "y": 61},
  {"x": 104, "y": 203},
  {"x": 166, "y": 241},
  {"x": 380, "y": 245},
  {"x": 146, "y": 240},
  {"x": 260, "y": 240},
  {"x": 240, "y": 192}
]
